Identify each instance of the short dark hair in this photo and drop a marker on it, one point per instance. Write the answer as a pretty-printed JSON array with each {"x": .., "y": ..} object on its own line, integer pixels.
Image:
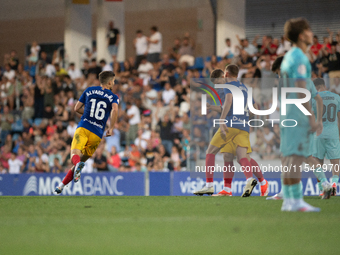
[
  {"x": 315, "y": 36},
  {"x": 139, "y": 31},
  {"x": 216, "y": 74},
  {"x": 227, "y": 39},
  {"x": 154, "y": 28},
  {"x": 105, "y": 77},
  {"x": 93, "y": 60},
  {"x": 319, "y": 82},
  {"x": 232, "y": 70},
  {"x": 294, "y": 27},
  {"x": 102, "y": 61},
  {"x": 277, "y": 63},
  {"x": 72, "y": 64}
]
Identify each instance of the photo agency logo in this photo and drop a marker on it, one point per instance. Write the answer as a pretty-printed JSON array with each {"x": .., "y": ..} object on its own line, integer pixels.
[{"x": 243, "y": 104}]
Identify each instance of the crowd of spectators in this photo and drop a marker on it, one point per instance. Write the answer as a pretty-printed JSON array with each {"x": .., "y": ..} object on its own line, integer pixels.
[{"x": 153, "y": 131}]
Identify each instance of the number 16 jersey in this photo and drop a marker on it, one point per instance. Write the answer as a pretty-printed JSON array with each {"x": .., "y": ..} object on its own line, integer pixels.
[{"x": 97, "y": 108}]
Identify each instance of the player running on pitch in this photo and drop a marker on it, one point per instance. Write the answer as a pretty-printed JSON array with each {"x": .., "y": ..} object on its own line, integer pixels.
[
  {"x": 229, "y": 152},
  {"x": 99, "y": 104},
  {"x": 295, "y": 141},
  {"x": 327, "y": 144},
  {"x": 225, "y": 135}
]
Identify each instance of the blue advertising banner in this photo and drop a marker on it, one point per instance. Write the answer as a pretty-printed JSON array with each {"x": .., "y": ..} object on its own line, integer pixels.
[
  {"x": 159, "y": 184},
  {"x": 184, "y": 185},
  {"x": 99, "y": 184}
]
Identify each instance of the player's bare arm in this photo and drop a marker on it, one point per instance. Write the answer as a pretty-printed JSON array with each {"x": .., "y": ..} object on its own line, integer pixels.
[
  {"x": 316, "y": 126},
  {"x": 113, "y": 119},
  {"x": 226, "y": 108},
  {"x": 78, "y": 108}
]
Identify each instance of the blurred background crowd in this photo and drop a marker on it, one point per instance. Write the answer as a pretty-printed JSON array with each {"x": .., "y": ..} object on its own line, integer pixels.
[{"x": 155, "y": 129}]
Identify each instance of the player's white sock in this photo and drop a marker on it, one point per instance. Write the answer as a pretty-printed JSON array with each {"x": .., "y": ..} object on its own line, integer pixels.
[
  {"x": 209, "y": 184},
  {"x": 61, "y": 185},
  {"x": 227, "y": 189},
  {"x": 263, "y": 182}
]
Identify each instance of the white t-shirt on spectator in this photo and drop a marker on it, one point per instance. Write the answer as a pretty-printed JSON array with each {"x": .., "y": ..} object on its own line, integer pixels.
[
  {"x": 71, "y": 130},
  {"x": 35, "y": 50},
  {"x": 107, "y": 67},
  {"x": 145, "y": 68},
  {"x": 50, "y": 70},
  {"x": 251, "y": 49},
  {"x": 228, "y": 50},
  {"x": 155, "y": 47},
  {"x": 269, "y": 136},
  {"x": 14, "y": 166},
  {"x": 143, "y": 143},
  {"x": 9, "y": 75},
  {"x": 88, "y": 166},
  {"x": 75, "y": 74},
  {"x": 141, "y": 45},
  {"x": 136, "y": 115},
  {"x": 168, "y": 95},
  {"x": 153, "y": 94}
]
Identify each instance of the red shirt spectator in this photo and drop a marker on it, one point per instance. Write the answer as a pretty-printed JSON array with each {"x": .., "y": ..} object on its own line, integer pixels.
[{"x": 316, "y": 47}]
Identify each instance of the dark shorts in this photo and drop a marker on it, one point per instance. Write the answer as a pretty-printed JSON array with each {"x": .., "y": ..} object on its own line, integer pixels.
[{"x": 153, "y": 57}]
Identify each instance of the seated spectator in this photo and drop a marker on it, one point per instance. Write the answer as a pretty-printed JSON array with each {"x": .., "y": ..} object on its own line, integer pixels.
[
  {"x": 186, "y": 52},
  {"x": 168, "y": 94},
  {"x": 228, "y": 51},
  {"x": 56, "y": 168},
  {"x": 71, "y": 128},
  {"x": 175, "y": 158},
  {"x": 134, "y": 157},
  {"x": 113, "y": 160},
  {"x": 104, "y": 66},
  {"x": 144, "y": 69},
  {"x": 100, "y": 162},
  {"x": 74, "y": 72},
  {"x": 33, "y": 57},
  {"x": 15, "y": 165},
  {"x": 245, "y": 61}
]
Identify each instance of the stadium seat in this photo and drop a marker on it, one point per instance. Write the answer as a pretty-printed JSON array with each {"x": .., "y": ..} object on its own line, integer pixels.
[
  {"x": 17, "y": 126},
  {"x": 208, "y": 58},
  {"x": 199, "y": 63},
  {"x": 37, "y": 121},
  {"x": 219, "y": 58},
  {"x": 122, "y": 68}
]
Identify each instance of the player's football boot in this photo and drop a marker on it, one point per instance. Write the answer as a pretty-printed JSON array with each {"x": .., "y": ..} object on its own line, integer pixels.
[
  {"x": 205, "y": 190},
  {"x": 327, "y": 190},
  {"x": 334, "y": 189},
  {"x": 57, "y": 191},
  {"x": 77, "y": 171},
  {"x": 248, "y": 189},
  {"x": 278, "y": 196},
  {"x": 298, "y": 206},
  {"x": 223, "y": 193},
  {"x": 264, "y": 189}
]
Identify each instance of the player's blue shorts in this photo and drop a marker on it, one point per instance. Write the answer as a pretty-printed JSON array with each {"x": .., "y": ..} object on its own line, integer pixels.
[
  {"x": 295, "y": 141},
  {"x": 329, "y": 148}
]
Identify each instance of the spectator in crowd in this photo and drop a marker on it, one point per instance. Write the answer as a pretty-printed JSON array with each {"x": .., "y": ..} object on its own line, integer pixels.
[
  {"x": 104, "y": 66},
  {"x": 100, "y": 162},
  {"x": 155, "y": 46},
  {"x": 133, "y": 115},
  {"x": 74, "y": 72},
  {"x": 144, "y": 69},
  {"x": 140, "y": 44},
  {"x": 173, "y": 51},
  {"x": 113, "y": 160},
  {"x": 228, "y": 51},
  {"x": 14, "y": 60},
  {"x": 333, "y": 61},
  {"x": 113, "y": 37},
  {"x": 6, "y": 121},
  {"x": 186, "y": 52},
  {"x": 35, "y": 49},
  {"x": 168, "y": 94},
  {"x": 14, "y": 164}
]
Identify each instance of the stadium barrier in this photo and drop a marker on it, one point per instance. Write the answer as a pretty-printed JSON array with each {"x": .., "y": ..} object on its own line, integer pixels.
[{"x": 130, "y": 184}]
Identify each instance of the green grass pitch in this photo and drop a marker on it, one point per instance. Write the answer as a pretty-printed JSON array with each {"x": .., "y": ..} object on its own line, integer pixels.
[{"x": 164, "y": 225}]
